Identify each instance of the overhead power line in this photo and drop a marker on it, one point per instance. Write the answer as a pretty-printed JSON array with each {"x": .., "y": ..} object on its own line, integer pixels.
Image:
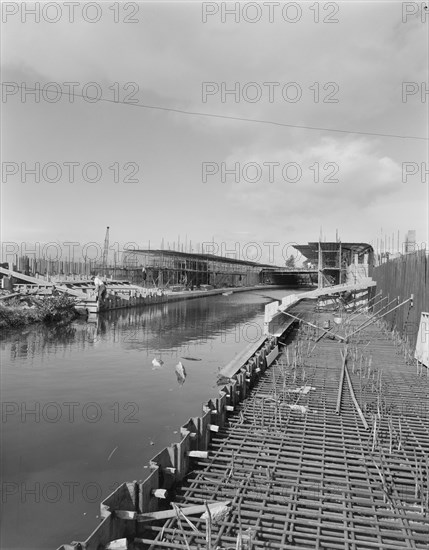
[{"x": 230, "y": 117}]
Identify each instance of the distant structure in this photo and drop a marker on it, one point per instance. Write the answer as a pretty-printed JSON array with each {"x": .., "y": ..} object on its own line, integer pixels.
[
  {"x": 338, "y": 262},
  {"x": 410, "y": 241},
  {"x": 106, "y": 248}
]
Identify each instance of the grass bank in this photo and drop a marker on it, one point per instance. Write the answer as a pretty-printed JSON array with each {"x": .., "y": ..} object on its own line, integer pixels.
[{"x": 27, "y": 310}]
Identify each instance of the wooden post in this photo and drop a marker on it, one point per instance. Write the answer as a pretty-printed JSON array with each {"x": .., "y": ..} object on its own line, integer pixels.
[
  {"x": 147, "y": 501},
  {"x": 166, "y": 460},
  {"x": 204, "y": 432}
]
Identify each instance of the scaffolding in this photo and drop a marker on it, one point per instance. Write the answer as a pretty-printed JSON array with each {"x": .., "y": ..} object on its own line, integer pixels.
[
  {"x": 338, "y": 262},
  {"x": 167, "y": 268}
]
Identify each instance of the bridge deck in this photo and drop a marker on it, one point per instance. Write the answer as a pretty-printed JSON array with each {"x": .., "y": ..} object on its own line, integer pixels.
[{"x": 298, "y": 475}]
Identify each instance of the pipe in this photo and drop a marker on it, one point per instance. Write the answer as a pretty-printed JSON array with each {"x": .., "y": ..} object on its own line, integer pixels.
[
  {"x": 387, "y": 312},
  {"x": 314, "y": 326}
]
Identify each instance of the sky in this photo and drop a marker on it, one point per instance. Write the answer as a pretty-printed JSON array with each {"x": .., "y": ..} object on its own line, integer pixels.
[{"x": 323, "y": 132}]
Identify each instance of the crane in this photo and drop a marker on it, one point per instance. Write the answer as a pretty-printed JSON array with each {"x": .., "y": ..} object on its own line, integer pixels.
[{"x": 105, "y": 249}]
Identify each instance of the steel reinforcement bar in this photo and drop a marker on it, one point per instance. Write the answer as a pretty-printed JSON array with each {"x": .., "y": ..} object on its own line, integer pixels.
[
  {"x": 295, "y": 469},
  {"x": 300, "y": 476}
]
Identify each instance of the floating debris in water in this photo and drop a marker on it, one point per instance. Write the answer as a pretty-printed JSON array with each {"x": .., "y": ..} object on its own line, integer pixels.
[
  {"x": 192, "y": 358},
  {"x": 180, "y": 373},
  {"x": 157, "y": 363},
  {"x": 111, "y": 454}
]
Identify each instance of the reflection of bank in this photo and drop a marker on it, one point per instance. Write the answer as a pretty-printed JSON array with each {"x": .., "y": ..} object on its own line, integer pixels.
[
  {"x": 174, "y": 325},
  {"x": 179, "y": 324},
  {"x": 92, "y": 319},
  {"x": 95, "y": 328},
  {"x": 91, "y": 331}
]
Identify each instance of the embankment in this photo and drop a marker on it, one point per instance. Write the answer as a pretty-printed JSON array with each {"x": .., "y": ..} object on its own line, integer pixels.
[{"x": 22, "y": 311}]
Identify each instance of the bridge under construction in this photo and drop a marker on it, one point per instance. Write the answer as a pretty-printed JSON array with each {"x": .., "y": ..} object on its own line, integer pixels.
[
  {"x": 325, "y": 264},
  {"x": 170, "y": 268}
]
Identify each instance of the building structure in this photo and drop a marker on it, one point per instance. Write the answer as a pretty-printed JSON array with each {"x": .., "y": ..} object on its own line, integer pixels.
[
  {"x": 170, "y": 268},
  {"x": 410, "y": 241},
  {"x": 338, "y": 262}
]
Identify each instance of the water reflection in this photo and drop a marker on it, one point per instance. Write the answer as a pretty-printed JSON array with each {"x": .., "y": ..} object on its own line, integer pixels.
[
  {"x": 39, "y": 340},
  {"x": 159, "y": 327}
]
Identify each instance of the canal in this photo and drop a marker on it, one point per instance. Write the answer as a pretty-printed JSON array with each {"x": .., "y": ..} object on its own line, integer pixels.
[{"x": 84, "y": 409}]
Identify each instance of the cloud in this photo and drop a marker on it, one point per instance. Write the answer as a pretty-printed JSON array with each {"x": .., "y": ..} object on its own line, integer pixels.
[
  {"x": 169, "y": 54},
  {"x": 349, "y": 175}
]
